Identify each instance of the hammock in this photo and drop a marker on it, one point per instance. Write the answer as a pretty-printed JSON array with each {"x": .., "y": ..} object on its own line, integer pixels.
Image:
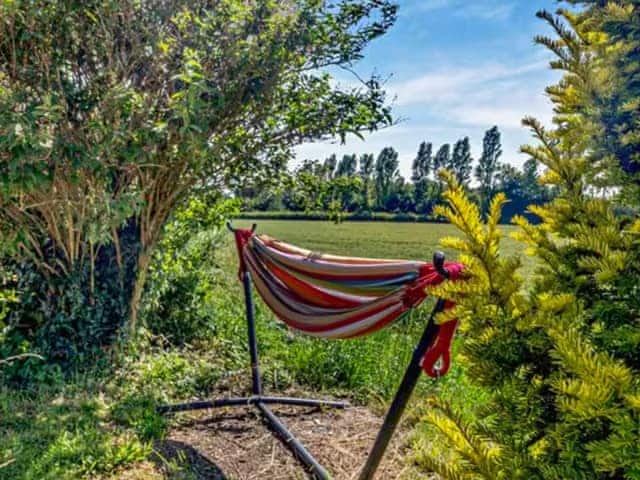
[
  {"x": 336, "y": 297},
  {"x": 342, "y": 297}
]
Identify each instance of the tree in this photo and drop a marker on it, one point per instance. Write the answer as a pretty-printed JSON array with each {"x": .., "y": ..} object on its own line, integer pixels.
[
  {"x": 488, "y": 166},
  {"x": 461, "y": 161},
  {"x": 531, "y": 187},
  {"x": 558, "y": 356},
  {"x": 114, "y": 113},
  {"x": 367, "y": 164},
  {"x": 441, "y": 160},
  {"x": 386, "y": 173},
  {"x": 347, "y": 166},
  {"x": 330, "y": 166},
  {"x": 421, "y": 169}
]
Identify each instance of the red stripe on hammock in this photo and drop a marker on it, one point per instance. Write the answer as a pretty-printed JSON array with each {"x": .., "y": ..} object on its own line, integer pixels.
[
  {"x": 308, "y": 292},
  {"x": 300, "y": 262}
]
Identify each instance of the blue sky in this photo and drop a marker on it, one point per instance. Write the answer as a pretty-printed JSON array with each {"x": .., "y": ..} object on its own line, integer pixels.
[{"x": 455, "y": 69}]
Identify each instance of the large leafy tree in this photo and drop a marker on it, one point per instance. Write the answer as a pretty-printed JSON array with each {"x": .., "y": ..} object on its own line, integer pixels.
[{"x": 113, "y": 113}]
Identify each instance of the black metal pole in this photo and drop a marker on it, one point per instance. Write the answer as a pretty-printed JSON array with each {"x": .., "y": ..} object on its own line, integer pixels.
[
  {"x": 303, "y": 402},
  {"x": 406, "y": 387},
  {"x": 199, "y": 405},
  {"x": 244, "y": 401},
  {"x": 293, "y": 443},
  {"x": 256, "y": 384}
]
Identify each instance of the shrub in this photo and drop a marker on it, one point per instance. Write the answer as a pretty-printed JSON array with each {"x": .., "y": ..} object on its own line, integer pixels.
[
  {"x": 178, "y": 299},
  {"x": 561, "y": 368},
  {"x": 559, "y": 357},
  {"x": 108, "y": 126}
]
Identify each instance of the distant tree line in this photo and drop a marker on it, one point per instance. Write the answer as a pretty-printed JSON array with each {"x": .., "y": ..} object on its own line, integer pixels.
[{"x": 370, "y": 183}]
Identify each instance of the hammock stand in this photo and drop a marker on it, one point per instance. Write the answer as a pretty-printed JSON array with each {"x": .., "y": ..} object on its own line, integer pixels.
[{"x": 428, "y": 340}]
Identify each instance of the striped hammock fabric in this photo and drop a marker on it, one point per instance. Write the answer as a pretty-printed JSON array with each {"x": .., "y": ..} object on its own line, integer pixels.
[{"x": 339, "y": 297}]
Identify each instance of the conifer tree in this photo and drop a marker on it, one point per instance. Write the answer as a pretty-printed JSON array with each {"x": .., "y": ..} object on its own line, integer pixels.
[{"x": 557, "y": 356}]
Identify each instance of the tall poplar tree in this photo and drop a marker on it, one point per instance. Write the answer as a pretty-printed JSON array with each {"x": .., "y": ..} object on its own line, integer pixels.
[
  {"x": 420, "y": 171},
  {"x": 347, "y": 166},
  {"x": 488, "y": 167},
  {"x": 367, "y": 164},
  {"x": 461, "y": 161},
  {"x": 386, "y": 174},
  {"x": 442, "y": 159}
]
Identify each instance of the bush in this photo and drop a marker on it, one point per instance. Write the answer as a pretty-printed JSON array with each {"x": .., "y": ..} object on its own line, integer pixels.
[
  {"x": 364, "y": 216},
  {"x": 178, "y": 299},
  {"x": 560, "y": 363}
]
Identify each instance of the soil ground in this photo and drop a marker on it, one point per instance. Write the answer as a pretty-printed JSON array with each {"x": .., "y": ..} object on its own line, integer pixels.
[{"x": 235, "y": 444}]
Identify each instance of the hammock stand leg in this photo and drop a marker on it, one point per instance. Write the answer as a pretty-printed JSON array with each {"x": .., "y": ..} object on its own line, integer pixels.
[
  {"x": 260, "y": 401},
  {"x": 399, "y": 403}
]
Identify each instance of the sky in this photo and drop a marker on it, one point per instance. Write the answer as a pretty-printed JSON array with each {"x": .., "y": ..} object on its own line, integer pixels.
[{"x": 455, "y": 68}]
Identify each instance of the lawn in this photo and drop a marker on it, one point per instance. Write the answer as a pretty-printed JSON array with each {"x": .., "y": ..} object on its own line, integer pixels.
[
  {"x": 374, "y": 239},
  {"x": 99, "y": 423}
]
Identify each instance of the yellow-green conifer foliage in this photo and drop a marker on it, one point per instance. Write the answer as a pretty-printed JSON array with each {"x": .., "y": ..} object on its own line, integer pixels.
[{"x": 558, "y": 355}]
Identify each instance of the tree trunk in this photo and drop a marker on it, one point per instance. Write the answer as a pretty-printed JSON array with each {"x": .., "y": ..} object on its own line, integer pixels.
[{"x": 138, "y": 288}]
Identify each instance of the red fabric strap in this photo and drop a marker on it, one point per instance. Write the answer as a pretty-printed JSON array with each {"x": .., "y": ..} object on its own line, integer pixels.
[
  {"x": 242, "y": 237},
  {"x": 440, "y": 349}
]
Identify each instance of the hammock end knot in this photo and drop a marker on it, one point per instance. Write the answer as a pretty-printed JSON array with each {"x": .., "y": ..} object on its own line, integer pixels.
[{"x": 242, "y": 237}]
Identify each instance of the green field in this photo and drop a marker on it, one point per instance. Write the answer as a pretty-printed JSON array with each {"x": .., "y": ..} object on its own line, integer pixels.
[{"x": 415, "y": 241}]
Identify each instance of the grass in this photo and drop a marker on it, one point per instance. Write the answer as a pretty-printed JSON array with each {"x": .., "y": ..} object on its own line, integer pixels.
[
  {"x": 95, "y": 423},
  {"x": 375, "y": 239}
]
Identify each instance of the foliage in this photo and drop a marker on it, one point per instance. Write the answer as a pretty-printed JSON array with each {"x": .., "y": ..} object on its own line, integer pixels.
[
  {"x": 461, "y": 161},
  {"x": 488, "y": 167},
  {"x": 177, "y": 300},
  {"x": 112, "y": 114},
  {"x": 421, "y": 169},
  {"x": 97, "y": 423},
  {"x": 386, "y": 168},
  {"x": 355, "y": 188},
  {"x": 559, "y": 355}
]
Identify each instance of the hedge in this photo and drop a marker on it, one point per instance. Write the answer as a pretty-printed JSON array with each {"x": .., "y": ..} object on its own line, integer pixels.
[{"x": 350, "y": 217}]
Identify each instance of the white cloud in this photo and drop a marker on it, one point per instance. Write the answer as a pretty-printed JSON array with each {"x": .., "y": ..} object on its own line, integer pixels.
[
  {"x": 448, "y": 83},
  {"x": 487, "y": 94},
  {"x": 452, "y": 102}
]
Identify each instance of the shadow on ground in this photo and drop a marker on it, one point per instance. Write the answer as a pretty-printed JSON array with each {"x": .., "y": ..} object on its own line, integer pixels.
[{"x": 178, "y": 460}]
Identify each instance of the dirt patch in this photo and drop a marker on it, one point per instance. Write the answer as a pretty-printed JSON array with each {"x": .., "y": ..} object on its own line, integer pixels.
[{"x": 234, "y": 443}]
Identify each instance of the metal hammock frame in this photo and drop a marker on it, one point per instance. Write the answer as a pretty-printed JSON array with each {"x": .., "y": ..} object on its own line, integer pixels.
[{"x": 260, "y": 401}]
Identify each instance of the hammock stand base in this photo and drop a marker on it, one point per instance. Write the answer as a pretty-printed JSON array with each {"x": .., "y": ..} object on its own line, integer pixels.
[{"x": 261, "y": 402}]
